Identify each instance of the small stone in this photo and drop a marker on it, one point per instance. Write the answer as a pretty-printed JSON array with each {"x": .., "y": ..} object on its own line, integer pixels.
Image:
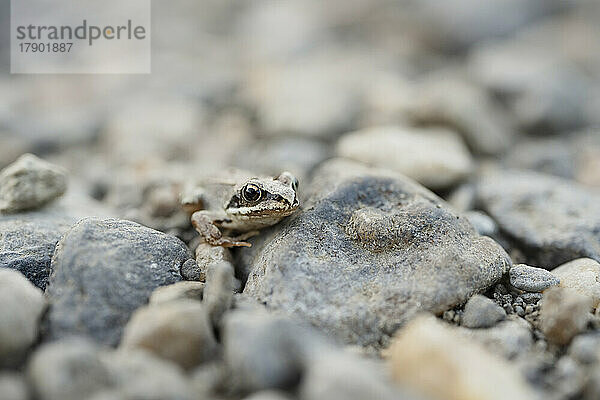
[
  {"x": 585, "y": 348},
  {"x": 564, "y": 313},
  {"x": 190, "y": 271},
  {"x": 205, "y": 256},
  {"x": 178, "y": 331},
  {"x": 140, "y": 375},
  {"x": 248, "y": 337},
  {"x": 531, "y": 298},
  {"x": 218, "y": 293},
  {"x": 341, "y": 377},
  {"x": 104, "y": 269},
  {"x": 21, "y": 307},
  {"x": 178, "y": 291},
  {"x": 481, "y": 312},
  {"x": 67, "y": 370},
  {"x": 448, "y": 315},
  {"x": 30, "y": 183},
  {"x": 13, "y": 387},
  {"x": 528, "y": 309},
  {"x": 581, "y": 275},
  {"x": 436, "y": 158},
  {"x": 447, "y": 100},
  {"x": 209, "y": 379},
  {"x": 531, "y": 279},
  {"x": 435, "y": 359},
  {"x": 508, "y": 338},
  {"x": 568, "y": 378},
  {"x": 519, "y": 301}
]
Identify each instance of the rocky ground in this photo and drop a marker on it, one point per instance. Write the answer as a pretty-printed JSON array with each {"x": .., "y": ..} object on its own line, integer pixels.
[{"x": 448, "y": 241}]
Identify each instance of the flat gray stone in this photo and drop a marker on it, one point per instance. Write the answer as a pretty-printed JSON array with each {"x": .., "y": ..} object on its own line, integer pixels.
[
  {"x": 551, "y": 220},
  {"x": 369, "y": 250},
  {"x": 531, "y": 279},
  {"x": 103, "y": 270}
]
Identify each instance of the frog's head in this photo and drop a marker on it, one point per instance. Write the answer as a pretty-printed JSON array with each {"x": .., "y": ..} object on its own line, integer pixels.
[{"x": 265, "y": 197}]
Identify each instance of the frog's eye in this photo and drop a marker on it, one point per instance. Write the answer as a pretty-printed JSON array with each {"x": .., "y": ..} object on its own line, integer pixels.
[{"x": 251, "y": 192}]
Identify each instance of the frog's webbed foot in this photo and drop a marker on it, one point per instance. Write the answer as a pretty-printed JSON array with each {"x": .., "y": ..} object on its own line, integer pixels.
[{"x": 211, "y": 233}]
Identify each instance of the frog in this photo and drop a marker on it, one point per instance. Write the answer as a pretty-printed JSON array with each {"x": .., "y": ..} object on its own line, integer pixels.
[{"x": 227, "y": 212}]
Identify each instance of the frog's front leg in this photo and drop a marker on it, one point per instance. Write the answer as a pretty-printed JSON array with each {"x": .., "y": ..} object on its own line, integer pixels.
[{"x": 206, "y": 223}]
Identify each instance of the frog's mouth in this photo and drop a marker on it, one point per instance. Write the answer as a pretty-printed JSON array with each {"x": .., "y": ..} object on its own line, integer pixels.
[{"x": 277, "y": 206}]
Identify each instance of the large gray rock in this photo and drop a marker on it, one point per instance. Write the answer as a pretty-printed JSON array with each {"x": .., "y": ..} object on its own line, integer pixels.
[
  {"x": 550, "y": 219},
  {"x": 103, "y": 270},
  {"x": 370, "y": 249},
  {"x": 21, "y": 306}
]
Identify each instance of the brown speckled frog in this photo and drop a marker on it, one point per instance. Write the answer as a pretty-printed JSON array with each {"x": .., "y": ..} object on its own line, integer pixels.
[{"x": 242, "y": 206}]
